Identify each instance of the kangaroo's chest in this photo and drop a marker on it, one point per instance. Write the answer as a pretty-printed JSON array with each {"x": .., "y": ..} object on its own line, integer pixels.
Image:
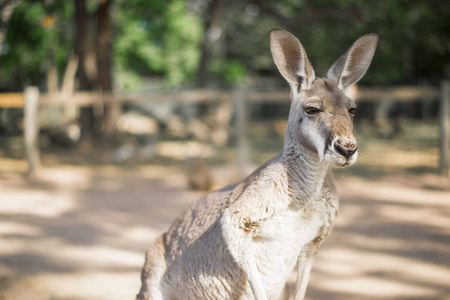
[
  {"x": 301, "y": 225},
  {"x": 282, "y": 237}
]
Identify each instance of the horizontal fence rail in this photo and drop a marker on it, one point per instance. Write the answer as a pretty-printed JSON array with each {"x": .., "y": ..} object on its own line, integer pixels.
[
  {"x": 12, "y": 100},
  {"x": 83, "y": 99},
  {"x": 376, "y": 94}
]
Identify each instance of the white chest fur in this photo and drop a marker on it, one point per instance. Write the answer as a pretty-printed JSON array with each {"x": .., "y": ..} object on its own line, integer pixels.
[{"x": 281, "y": 238}]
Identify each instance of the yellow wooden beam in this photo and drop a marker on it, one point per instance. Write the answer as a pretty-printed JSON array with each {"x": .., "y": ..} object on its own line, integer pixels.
[{"x": 12, "y": 100}]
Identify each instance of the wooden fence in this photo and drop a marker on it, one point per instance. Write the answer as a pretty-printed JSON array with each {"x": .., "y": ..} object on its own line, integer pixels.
[{"x": 31, "y": 99}]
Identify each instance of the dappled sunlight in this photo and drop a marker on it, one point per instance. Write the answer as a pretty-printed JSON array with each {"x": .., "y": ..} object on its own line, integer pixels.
[
  {"x": 112, "y": 285},
  {"x": 352, "y": 213},
  {"x": 406, "y": 193},
  {"x": 99, "y": 257},
  {"x": 424, "y": 215},
  {"x": 50, "y": 205},
  {"x": 66, "y": 177},
  {"x": 348, "y": 263},
  {"x": 14, "y": 236},
  {"x": 79, "y": 232},
  {"x": 403, "y": 159},
  {"x": 15, "y": 228},
  {"x": 183, "y": 150},
  {"x": 74, "y": 231},
  {"x": 139, "y": 233},
  {"x": 372, "y": 286},
  {"x": 13, "y": 166},
  {"x": 390, "y": 241},
  {"x": 379, "y": 243},
  {"x": 11, "y": 245}
]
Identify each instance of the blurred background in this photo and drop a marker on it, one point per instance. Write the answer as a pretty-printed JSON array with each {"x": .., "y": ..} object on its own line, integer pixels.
[{"x": 115, "y": 115}]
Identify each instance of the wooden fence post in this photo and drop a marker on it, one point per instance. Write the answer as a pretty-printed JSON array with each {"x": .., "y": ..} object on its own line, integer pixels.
[
  {"x": 32, "y": 129},
  {"x": 444, "y": 126},
  {"x": 240, "y": 106}
]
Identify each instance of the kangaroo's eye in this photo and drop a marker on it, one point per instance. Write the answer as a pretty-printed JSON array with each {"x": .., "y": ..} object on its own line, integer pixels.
[
  {"x": 352, "y": 111},
  {"x": 312, "y": 110}
]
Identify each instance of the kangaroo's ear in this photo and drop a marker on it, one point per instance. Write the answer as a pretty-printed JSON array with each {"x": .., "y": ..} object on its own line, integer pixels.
[
  {"x": 291, "y": 60},
  {"x": 352, "y": 66}
]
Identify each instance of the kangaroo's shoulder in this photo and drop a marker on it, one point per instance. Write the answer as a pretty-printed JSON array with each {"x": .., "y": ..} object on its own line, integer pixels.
[{"x": 193, "y": 222}]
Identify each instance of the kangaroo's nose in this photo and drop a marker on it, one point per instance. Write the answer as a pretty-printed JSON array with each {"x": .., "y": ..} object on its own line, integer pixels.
[{"x": 345, "y": 150}]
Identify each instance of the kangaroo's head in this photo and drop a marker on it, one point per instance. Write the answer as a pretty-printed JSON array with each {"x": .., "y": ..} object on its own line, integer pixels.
[{"x": 321, "y": 116}]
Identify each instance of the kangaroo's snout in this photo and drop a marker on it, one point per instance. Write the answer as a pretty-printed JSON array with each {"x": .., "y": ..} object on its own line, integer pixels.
[{"x": 345, "y": 149}]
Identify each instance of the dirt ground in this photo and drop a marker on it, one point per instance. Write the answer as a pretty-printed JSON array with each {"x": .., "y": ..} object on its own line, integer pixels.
[{"x": 78, "y": 232}]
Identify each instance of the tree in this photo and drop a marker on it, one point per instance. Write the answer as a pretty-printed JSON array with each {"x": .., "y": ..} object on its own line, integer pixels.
[
  {"x": 156, "y": 38},
  {"x": 169, "y": 39},
  {"x": 35, "y": 30},
  {"x": 104, "y": 39},
  {"x": 94, "y": 72}
]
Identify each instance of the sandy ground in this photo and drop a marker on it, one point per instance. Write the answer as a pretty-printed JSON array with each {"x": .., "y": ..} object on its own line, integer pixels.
[{"x": 81, "y": 233}]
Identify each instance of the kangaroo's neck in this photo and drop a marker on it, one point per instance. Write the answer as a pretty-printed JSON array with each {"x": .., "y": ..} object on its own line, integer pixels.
[{"x": 304, "y": 168}]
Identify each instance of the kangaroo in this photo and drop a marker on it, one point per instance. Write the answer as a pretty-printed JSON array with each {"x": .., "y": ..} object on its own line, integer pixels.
[{"x": 244, "y": 240}]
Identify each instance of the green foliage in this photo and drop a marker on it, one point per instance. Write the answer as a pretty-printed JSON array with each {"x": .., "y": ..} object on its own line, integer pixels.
[
  {"x": 29, "y": 45},
  {"x": 182, "y": 40},
  {"x": 23, "y": 45},
  {"x": 156, "y": 37},
  {"x": 232, "y": 71},
  {"x": 163, "y": 38}
]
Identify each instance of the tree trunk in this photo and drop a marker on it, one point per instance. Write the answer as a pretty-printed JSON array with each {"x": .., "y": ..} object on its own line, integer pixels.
[
  {"x": 111, "y": 111},
  {"x": 87, "y": 118},
  {"x": 212, "y": 23}
]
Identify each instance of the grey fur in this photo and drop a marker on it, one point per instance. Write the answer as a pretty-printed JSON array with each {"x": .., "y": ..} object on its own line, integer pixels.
[{"x": 243, "y": 241}]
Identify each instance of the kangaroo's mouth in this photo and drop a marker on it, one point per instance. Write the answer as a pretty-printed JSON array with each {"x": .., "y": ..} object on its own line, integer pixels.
[
  {"x": 341, "y": 151},
  {"x": 348, "y": 162},
  {"x": 340, "y": 158}
]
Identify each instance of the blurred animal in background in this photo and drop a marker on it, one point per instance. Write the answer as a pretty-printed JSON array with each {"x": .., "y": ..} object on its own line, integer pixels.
[
  {"x": 244, "y": 240},
  {"x": 199, "y": 176}
]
